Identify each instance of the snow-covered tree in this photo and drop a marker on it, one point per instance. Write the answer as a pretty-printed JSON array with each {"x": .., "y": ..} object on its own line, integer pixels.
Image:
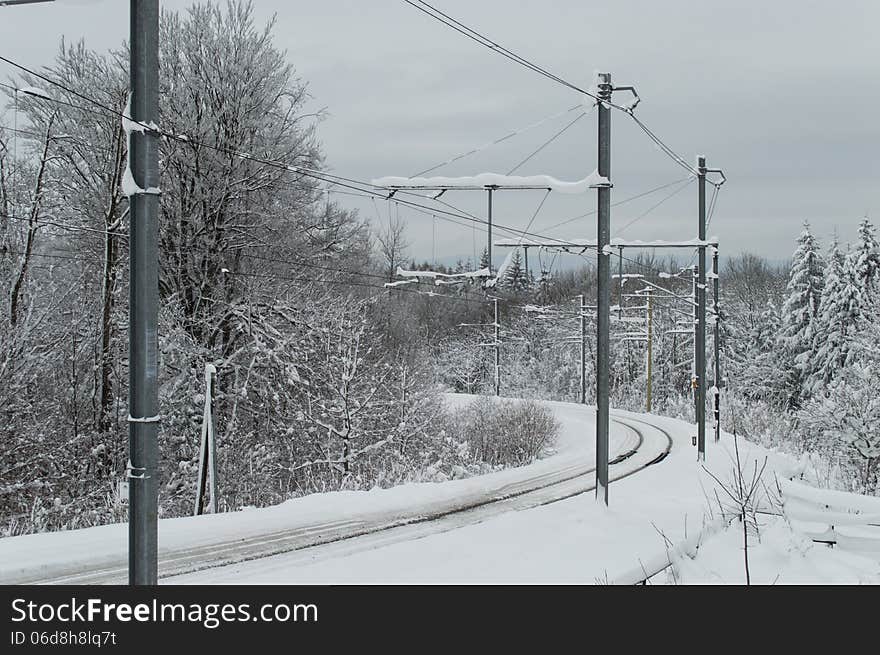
[
  {"x": 799, "y": 313},
  {"x": 514, "y": 279},
  {"x": 850, "y": 416},
  {"x": 545, "y": 281},
  {"x": 484, "y": 258},
  {"x": 225, "y": 87},
  {"x": 757, "y": 357},
  {"x": 839, "y": 310},
  {"x": 866, "y": 258}
]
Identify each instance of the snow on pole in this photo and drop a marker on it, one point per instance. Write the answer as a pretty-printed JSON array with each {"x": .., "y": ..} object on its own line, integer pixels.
[{"x": 129, "y": 186}]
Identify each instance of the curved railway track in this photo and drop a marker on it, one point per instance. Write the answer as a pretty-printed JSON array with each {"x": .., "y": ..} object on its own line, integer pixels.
[{"x": 352, "y": 535}]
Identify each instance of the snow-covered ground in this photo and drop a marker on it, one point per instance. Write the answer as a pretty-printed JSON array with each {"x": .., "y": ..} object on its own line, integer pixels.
[
  {"x": 66, "y": 556},
  {"x": 576, "y": 540},
  {"x": 580, "y": 541}
]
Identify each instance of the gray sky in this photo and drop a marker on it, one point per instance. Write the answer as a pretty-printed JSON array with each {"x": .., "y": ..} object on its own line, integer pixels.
[{"x": 782, "y": 94}]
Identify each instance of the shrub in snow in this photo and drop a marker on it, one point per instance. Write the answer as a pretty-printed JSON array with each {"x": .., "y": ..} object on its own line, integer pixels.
[
  {"x": 850, "y": 417},
  {"x": 506, "y": 433}
]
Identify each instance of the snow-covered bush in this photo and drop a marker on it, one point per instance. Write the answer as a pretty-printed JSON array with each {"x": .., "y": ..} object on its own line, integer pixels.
[
  {"x": 848, "y": 420},
  {"x": 504, "y": 432}
]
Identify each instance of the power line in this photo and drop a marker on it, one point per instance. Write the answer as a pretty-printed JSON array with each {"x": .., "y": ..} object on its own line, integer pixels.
[
  {"x": 474, "y": 35},
  {"x": 712, "y": 202},
  {"x": 678, "y": 159},
  {"x": 497, "y": 141},
  {"x": 653, "y": 207},
  {"x": 350, "y": 183},
  {"x": 619, "y": 202},
  {"x": 42, "y": 222},
  {"x": 547, "y": 142},
  {"x": 483, "y": 40},
  {"x": 350, "y": 283}
]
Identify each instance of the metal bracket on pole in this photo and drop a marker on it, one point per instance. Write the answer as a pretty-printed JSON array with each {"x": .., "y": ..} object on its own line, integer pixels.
[
  {"x": 496, "y": 346},
  {"x": 720, "y": 172},
  {"x": 636, "y": 99}
]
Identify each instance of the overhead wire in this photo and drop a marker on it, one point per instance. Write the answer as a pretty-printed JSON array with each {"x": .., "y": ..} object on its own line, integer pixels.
[
  {"x": 474, "y": 35},
  {"x": 325, "y": 176},
  {"x": 655, "y": 206},
  {"x": 547, "y": 143},
  {"x": 486, "y": 146},
  {"x": 483, "y": 40},
  {"x": 618, "y": 203}
]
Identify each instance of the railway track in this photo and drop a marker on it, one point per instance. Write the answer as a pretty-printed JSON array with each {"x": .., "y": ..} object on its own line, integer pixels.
[{"x": 651, "y": 445}]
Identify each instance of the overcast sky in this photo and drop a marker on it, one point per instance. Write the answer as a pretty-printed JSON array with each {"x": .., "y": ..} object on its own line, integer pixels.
[{"x": 784, "y": 95}]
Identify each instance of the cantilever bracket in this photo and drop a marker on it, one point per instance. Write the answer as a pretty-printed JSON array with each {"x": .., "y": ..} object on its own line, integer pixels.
[
  {"x": 631, "y": 89},
  {"x": 720, "y": 172}
]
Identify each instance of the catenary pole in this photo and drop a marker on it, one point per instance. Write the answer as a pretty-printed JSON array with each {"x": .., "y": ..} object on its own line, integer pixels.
[
  {"x": 603, "y": 318},
  {"x": 650, "y": 353},
  {"x": 489, "y": 238},
  {"x": 144, "y": 298},
  {"x": 583, "y": 321},
  {"x": 701, "y": 313},
  {"x": 620, "y": 283},
  {"x": 495, "y": 345},
  {"x": 716, "y": 344}
]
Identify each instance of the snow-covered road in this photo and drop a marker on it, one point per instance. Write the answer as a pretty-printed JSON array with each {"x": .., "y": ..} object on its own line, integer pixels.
[{"x": 324, "y": 524}]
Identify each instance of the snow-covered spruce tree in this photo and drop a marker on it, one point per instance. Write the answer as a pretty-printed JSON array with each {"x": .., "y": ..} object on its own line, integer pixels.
[
  {"x": 839, "y": 310},
  {"x": 484, "y": 258},
  {"x": 756, "y": 358},
  {"x": 514, "y": 279},
  {"x": 848, "y": 418},
  {"x": 866, "y": 260},
  {"x": 800, "y": 311}
]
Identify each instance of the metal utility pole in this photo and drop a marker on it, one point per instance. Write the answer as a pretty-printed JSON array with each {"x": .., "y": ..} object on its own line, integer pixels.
[
  {"x": 650, "y": 353},
  {"x": 620, "y": 283},
  {"x": 495, "y": 345},
  {"x": 603, "y": 318},
  {"x": 489, "y": 237},
  {"x": 716, "y": 384},
  {"x": 583, "y": 320},
  {"x": 700, "y": 337},
  {"x": 143, "y": 396}
]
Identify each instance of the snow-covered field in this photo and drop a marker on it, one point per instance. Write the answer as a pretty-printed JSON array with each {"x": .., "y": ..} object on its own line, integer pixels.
[{"x": 576, "y": 540}]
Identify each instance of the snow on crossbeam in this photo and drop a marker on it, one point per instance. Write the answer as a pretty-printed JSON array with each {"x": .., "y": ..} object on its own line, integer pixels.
[
  {"x": 400, "y": 283},
  {"x": 493, "y": 181},
  {"x": 592, "y": 243},
  {"x": 483, "y": 272}
]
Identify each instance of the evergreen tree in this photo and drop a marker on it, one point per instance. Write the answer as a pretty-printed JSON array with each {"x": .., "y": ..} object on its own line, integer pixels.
[
  {"x": 866, "y": 258},
  {"x": 758, "y": 359},
  {"x": 799, "y": 313},
  {"x": 839, "y": 310},
  {"x": 484, "y": 258},
  {"x": 544, "y": 281},
  {"x": 515, "y": 277}
]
